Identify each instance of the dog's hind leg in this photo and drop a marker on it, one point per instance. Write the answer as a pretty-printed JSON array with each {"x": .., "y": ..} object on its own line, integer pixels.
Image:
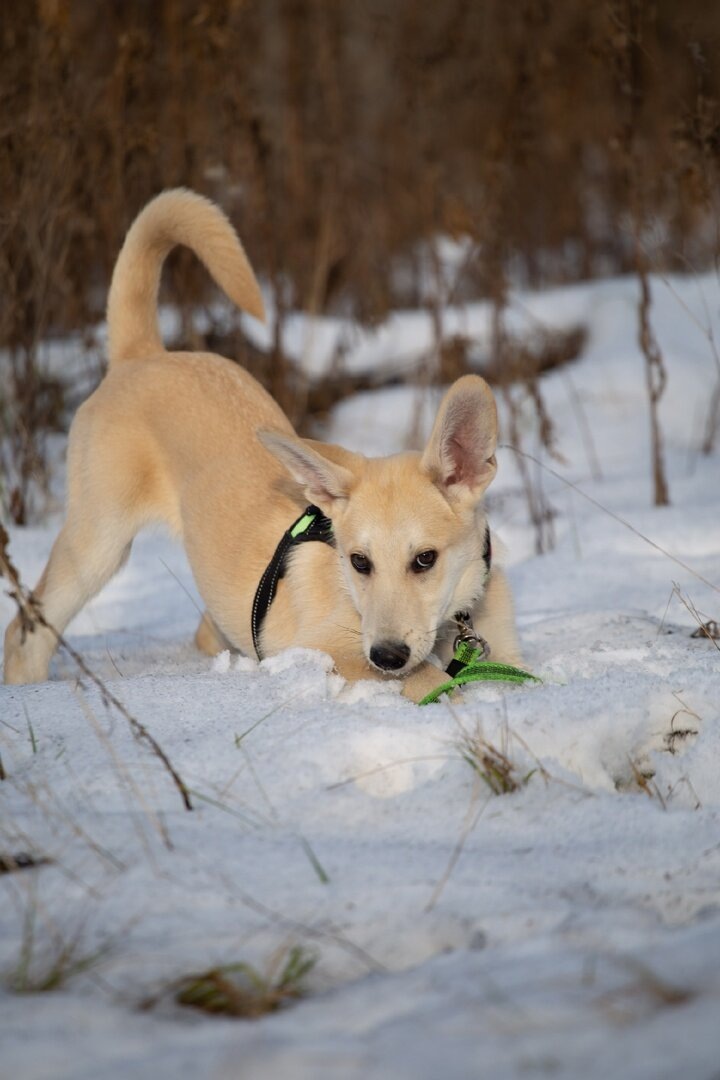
[
  {"x": 115, "y": 486},
  {"x": 84, "y": 557}
]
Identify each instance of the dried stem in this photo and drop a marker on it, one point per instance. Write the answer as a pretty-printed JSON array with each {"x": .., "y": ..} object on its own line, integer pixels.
[
  {"x": 656, "y": 379},
  {"x": 31, "y": 616}
]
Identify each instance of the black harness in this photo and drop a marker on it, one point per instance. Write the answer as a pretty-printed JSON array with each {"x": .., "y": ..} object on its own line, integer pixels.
[{"x": 313, "y": 525}]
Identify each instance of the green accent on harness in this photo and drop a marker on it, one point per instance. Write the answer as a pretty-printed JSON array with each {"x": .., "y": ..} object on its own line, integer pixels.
[
  {"x": 302, "y": 525},
  {"x": 476, "y": 670}
]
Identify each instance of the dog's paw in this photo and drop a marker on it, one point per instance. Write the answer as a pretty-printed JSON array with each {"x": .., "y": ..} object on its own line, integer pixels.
[{"x": 424, "y": 679}]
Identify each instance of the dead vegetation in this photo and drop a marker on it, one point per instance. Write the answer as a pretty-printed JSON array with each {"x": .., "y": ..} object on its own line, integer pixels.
[
  {"x": 527, "y": 131},
  {"x": 31, "y": 615},
  {"x": 49, "y": 956},
  {"x": 20, "y": 860},
  {"x": 493, "y": 766},
  {"x": 646, "y": 993},
  {"x": 240, "y": 990},
  {"x": 642, "y": 778}
]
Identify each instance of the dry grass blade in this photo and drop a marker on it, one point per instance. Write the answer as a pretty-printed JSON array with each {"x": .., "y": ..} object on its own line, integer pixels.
[
  {"x": 610, "y": 513},
  {"x": 678, "y": 735},
  {"x": 472, "y": 817},
  {"x": 644, "y": 781},
  {"x": 49, "y": 963},
  {"x": 685, "y": 781},
  {"x": 323, "y": 934},
  {"x": 384, "y": 768},
  {"x": 707, "y": 629},
  {"x": 20, "y": 860}
]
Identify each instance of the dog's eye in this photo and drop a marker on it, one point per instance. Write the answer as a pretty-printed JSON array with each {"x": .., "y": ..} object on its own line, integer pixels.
[
  {"x": 424, "y": 561},
  {"x": 361, "y": 563}
]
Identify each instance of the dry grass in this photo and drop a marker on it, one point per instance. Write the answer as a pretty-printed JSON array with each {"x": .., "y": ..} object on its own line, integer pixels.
[
  {"x": 493, "y": 766},
  {"x": 240, "y": 990},
  {"x": 413, "y": 122},
  {"x": 642, "y": 778},
  {"x": 681, "y": 730},
  {"x": 50, "y": 959}
]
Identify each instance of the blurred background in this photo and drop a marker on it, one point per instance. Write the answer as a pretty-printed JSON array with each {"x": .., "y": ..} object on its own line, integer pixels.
[{"x": 374, "y": 156}]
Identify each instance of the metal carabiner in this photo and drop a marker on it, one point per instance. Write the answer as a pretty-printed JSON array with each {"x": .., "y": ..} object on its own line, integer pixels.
[{"x": 467, "y": 635}]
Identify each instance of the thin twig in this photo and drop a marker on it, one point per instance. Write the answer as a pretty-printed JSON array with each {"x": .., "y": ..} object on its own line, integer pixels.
[
  {"x": 31, "y": 615},
  {"x": 471, "y": 820},
  {"x": 612, "y": 514},
  {"x": 687, "y": 602}
]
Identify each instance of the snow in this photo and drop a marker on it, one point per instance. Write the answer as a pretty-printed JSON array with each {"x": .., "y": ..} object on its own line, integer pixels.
[{"x": 571, "y": 927}]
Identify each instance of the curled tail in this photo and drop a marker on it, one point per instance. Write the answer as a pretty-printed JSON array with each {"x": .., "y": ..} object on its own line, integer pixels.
[{"x": 174, "y": 217}]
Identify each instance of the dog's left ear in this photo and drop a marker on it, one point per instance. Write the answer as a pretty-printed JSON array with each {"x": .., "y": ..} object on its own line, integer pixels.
[{"x": 460, "y": 455}]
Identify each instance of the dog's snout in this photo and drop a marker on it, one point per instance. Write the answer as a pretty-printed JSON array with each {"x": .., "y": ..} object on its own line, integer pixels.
[{"x": 390, "y": 655}]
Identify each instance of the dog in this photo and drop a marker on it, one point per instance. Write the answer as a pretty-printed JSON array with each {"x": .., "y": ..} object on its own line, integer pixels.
[{"x": 193, "y": 441}]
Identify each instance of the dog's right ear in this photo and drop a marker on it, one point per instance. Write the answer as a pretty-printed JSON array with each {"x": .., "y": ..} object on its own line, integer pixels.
[{"x": 326, "y": 483}]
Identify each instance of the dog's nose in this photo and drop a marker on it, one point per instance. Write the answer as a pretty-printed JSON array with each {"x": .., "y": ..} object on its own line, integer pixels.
[{"x": 390, "y": 655}]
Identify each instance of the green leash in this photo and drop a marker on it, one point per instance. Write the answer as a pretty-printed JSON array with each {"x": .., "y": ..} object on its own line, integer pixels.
[{"x": 468, "y": 666}]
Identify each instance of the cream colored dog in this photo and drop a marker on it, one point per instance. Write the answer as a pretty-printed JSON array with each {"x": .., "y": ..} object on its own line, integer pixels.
[{"x": 192, "y": 440}]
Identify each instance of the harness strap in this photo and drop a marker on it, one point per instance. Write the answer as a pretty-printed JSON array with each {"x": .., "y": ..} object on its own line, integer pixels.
[{"x": 311, "y": 525}]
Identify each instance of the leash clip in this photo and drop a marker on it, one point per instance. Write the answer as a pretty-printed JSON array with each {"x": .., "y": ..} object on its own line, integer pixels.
[
  {"x": 475, "y": 641},
  {"x": 466, "y": 635}
]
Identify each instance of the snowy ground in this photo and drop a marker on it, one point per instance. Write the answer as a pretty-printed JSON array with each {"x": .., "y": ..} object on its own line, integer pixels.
[{"x": 571, "y": 928}]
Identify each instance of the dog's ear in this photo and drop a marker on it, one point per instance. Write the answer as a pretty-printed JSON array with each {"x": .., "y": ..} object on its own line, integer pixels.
[
  {"x": 460, "y": 456},
  {"x": 325, "y": 482}
]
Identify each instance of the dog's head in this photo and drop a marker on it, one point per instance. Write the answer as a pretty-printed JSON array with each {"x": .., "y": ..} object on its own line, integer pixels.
[{"x": 410, "y": 529}]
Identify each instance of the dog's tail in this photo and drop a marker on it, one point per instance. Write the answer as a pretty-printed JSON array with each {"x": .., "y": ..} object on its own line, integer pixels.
[{"x": 174, "y": 217}]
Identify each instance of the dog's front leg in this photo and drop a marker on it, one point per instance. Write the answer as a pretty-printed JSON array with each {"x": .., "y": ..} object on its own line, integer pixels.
[
  {"x": 422, "y": 680},
  {"x": 494, "y": 620},
  {"x": 415, "y": 685}
]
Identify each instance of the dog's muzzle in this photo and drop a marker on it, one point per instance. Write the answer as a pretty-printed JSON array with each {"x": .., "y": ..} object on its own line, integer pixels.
[{"x": 390, "y": 655}]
